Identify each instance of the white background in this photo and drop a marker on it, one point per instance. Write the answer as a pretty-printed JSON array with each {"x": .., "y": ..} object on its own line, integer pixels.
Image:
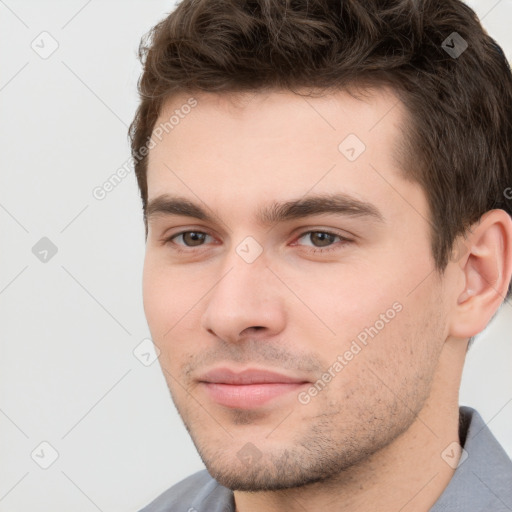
[{"x": 69, "y": 326}]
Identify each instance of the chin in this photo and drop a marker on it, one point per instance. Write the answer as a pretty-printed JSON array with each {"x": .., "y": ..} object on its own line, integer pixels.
[
  {"x": 269, "y": 472},
  {"x": 261, "y": 480}
]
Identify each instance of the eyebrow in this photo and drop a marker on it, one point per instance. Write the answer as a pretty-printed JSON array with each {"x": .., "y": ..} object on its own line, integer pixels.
[{"x": 339, "y": 204}]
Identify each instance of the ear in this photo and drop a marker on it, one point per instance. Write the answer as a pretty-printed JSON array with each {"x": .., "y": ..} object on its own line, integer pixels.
[{"x": 486, "y": 268}]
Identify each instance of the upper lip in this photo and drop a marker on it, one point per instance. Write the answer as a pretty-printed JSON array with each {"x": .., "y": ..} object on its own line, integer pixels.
[{"x": 249, "y": 376}]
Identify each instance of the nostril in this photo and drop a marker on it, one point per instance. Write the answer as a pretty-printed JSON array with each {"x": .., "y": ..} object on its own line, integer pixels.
[{"x": 253, "y": 328}]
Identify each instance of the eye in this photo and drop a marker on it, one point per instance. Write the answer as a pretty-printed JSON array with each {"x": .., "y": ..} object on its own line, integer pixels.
[
  {"x": 321, "y": 239},
  {"x": 189, "y": 238}
]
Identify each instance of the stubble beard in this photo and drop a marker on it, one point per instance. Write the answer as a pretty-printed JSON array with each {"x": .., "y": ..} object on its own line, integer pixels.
[{"x": 323, "y": 454}]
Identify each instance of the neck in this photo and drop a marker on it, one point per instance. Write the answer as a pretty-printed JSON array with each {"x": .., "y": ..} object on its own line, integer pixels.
[{"x": 408, "y": 475}]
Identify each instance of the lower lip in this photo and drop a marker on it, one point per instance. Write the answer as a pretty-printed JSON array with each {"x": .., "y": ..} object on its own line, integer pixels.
[{"x": 248, "y": 396}]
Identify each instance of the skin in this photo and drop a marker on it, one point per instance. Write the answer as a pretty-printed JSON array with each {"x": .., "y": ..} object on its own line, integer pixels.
[{"x": 375, "y": 433}]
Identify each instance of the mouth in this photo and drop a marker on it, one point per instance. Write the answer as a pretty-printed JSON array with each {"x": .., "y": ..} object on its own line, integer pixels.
[{"x": 249, "y": 388}]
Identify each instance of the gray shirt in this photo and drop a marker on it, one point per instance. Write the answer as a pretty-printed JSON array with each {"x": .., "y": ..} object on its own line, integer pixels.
[{"x": 481, "y": 483}]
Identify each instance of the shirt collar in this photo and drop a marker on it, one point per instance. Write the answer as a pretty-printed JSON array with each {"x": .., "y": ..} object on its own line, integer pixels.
[{"x": 483, "y": 478}]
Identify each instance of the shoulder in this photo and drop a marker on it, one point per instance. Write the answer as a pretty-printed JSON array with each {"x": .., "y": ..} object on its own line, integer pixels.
[{"x": 196, "y": 493}]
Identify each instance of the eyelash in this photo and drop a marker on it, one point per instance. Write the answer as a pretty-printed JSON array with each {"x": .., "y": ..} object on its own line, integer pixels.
[{"x": 184, "y": 248}]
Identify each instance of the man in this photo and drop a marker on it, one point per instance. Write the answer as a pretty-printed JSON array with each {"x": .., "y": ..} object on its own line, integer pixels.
[{"x": 324, "y": 186}]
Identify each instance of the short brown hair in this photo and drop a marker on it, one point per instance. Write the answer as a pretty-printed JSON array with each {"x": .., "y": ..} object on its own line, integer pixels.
[{"x": 452, "y": 77}]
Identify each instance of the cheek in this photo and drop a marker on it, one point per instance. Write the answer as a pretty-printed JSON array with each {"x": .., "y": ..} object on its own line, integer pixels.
[
  {"x": 393, "y": 368},
  {"x": 346, "y": 298},
  {"x": 153, "y": 295},
  {"x": 165, "y": 301},
  {"x": 373, "y": 314},
  {"x": 172, "y": 300}
]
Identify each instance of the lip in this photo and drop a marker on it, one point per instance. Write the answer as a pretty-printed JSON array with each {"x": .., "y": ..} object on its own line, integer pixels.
[
  {"x": 248, "y": 376},
  {"x": 249, "y": 388}
]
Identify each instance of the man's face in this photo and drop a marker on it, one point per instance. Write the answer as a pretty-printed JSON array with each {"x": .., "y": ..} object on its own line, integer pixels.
[{"x": 299, "y": 342}]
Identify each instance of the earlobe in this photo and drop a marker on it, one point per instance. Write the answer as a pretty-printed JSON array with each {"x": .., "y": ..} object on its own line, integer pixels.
[{"x": 487, "y": 270}]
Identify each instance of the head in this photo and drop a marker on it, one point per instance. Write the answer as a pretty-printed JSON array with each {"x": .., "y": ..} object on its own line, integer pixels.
[{"x": 326, "y": 193}]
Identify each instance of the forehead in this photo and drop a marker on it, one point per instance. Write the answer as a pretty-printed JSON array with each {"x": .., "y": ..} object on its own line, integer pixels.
[{"x": 244, "y": 149}]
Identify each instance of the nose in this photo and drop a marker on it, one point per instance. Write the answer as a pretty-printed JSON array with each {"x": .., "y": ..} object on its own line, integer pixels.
[{"x": 246, "y": 302}]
